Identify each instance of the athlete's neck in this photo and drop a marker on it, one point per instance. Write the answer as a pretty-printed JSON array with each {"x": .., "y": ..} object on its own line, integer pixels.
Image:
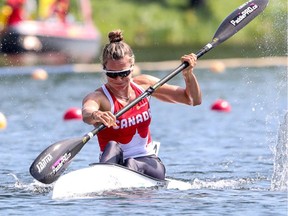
[{"x": 122, "y": 94}]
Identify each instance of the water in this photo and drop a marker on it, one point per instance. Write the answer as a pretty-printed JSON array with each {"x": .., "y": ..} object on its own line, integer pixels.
[{"x": 236, "y": 163}]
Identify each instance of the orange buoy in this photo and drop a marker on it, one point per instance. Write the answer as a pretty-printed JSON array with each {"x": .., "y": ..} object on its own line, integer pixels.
[
  {"x": 39, "y": 74},
  {"x": 136, "y": 70},
  {"x": 3, "y": 121},
  {"x": 217, "y": 67},
  {"x": 221, "y": 106},
  {"x": 73, "y": 114}
]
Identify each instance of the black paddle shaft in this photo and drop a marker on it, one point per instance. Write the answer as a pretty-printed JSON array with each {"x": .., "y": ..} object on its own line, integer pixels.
[{"x": 53, "y": 161}]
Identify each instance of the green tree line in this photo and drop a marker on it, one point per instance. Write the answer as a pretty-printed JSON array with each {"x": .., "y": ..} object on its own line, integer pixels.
[
  {"x": 148, "y": 23},
  {"x": 171, "y": 26}
]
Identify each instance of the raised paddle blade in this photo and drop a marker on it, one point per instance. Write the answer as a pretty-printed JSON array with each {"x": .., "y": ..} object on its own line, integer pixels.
[
  {"x": 234, "y": 23},
  {"x": 53, "y": 161},
  {"x": 238, "y": 19}
]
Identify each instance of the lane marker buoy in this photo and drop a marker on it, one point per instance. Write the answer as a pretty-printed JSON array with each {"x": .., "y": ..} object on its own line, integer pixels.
[
  {"x": 39, "y": 74},
  {"x": 217, "y": 67},
  {"x": 73, "y": 113},
  {"x": 221, "y": 106},
  {"x": 3, "y": 121}
]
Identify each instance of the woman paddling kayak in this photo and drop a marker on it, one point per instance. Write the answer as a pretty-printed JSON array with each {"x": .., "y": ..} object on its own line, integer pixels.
[{"x": 127, "y": 140}]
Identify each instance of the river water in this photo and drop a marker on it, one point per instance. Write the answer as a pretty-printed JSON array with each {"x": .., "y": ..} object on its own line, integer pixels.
[{"x": 236, "y": 162}]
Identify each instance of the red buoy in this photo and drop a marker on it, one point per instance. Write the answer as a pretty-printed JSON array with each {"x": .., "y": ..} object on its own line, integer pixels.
[
  {"x": 73, "y": 114},
  {"x": 221, "y": 106}
]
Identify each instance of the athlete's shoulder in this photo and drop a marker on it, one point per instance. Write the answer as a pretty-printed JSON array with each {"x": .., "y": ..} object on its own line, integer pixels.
[
  {"x": 97, "y": 94},
  {"x": 145, "y": 80}
]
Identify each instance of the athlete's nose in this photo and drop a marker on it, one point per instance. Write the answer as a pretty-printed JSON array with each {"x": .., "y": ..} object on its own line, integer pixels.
[{"x": 119, "y": 78}]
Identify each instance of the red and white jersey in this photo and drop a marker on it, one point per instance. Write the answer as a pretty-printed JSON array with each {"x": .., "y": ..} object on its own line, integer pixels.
[{"x": 132, "y": 131}]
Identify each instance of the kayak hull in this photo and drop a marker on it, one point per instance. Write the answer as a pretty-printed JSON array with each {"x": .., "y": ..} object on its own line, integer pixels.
[{"x": 101, "y": 177}]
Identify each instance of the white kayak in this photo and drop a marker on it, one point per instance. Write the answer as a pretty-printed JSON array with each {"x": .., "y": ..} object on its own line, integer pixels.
[{"x": 101, "y": 177}]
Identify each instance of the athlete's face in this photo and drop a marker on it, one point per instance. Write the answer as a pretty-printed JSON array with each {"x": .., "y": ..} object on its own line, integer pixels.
[{"x": 118, "y": 72}]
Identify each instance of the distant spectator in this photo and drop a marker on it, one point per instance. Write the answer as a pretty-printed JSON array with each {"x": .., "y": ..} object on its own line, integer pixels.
[
  {"x": 60, "y": 9},
  {"x": 44, "y": 8},
  {"x": 17, "y": 11}
]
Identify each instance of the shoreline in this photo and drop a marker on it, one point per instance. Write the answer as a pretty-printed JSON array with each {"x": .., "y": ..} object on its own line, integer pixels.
[
  {"x": 215, "y": 65},
  {"x": 201, "y": 64}
]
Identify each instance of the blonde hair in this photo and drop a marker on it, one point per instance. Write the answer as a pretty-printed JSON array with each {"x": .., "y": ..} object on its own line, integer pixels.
[{"x": 117, "y": 48}]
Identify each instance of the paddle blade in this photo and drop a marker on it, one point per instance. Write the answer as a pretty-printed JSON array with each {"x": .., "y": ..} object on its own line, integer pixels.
[
  {"x": 238, "y": 19},
  {"x": 52, "y": 162}
]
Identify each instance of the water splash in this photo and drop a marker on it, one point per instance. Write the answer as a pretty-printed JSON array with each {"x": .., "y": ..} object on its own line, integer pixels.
[
  {"x": 209, "y": 184},
  {"x": 17, "y": 183},
  {"x": 221, "y": 184},
  {"x": 35, "y": 187},
  {"x": 280, "y": 174}
]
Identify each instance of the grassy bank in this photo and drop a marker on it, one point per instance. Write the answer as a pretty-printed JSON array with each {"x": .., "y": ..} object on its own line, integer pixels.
[
  {"x": 166, "y": 29},
  {"x": 156, "y": 29}
]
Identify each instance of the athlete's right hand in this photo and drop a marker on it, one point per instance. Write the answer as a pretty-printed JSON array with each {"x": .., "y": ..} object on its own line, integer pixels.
[{"x": 105, "y": 117}]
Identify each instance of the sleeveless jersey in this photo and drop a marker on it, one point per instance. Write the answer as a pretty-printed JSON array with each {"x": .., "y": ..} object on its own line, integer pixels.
[{"x": 132, "y": 131}]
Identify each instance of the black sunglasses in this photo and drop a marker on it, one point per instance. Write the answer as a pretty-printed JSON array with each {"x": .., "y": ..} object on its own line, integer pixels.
[{"x": 122, "y": 73}]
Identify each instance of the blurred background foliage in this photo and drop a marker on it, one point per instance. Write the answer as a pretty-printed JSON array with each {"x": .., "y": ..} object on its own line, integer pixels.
[
  {"x": 165, "y": 29},
  {"x": 188, "y": 23}
]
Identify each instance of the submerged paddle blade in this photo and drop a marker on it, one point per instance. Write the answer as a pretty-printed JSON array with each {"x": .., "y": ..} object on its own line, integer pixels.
[
  {"x": 52, "y": 162},
  {"x": 238, "y": 19}
]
